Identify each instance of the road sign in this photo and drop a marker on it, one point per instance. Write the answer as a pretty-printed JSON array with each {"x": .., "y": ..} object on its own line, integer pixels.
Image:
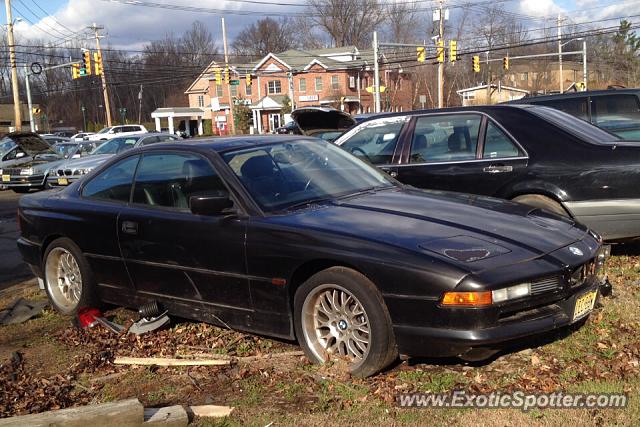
[{"x": 234, "y": 82}]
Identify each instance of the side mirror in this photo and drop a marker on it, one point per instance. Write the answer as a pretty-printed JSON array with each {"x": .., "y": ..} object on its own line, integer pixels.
[
  {"x": 210, "y": 204},
  {"x": 19, "y": 155}
]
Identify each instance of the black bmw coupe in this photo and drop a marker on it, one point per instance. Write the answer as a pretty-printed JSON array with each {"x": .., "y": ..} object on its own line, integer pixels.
[{"x": 295, "y": 238}]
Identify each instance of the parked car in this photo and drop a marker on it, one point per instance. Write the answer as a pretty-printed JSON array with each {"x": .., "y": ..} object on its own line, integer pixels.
[
  {"x": 81, "y": 135},
  {"x": 82, "y": 163},
  {"x": 115, "y": 132},
  {"x": 290, "y": 128},
  {"x": 615, "y": 110},
  {"x": 25, "y": 162},
  {"x": 54, "y": 139},
  {"x": 64, "y": 149},
  {"x": 530, "y": 154},
  {"x": 321, "y": 122},
  {"x": 317, "y": 245}
]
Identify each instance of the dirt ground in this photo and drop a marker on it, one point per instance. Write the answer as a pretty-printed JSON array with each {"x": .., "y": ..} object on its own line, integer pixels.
[{"x": 46, "y": 363}]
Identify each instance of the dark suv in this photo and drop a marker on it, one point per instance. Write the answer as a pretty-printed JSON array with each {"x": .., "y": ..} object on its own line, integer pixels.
[{"x": 615, "y": 110}]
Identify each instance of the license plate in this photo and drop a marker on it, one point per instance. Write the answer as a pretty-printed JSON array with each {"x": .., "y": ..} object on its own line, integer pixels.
[
  {"x": 6, "y": 178},
  {"x": 63, "y": 181},
  {"x": 584, "y": 305}
]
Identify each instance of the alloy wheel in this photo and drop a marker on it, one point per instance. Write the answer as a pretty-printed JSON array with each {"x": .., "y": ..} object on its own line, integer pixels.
[{"x": 63, "y": 278}]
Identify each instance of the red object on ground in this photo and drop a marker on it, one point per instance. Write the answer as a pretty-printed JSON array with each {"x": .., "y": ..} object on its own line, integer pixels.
[{"x": 87, "y": 316}]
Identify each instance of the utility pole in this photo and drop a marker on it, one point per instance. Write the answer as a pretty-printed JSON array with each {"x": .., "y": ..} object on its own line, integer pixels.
[
  {"x": 107, "y": 105},
  {"x": 226, "y": 67},
  {"x": 29, "y": 104},
  {"x": 376, "y": 73},
  {"x": 441, "y": 64},
  {"x": 14, "y": 68},
  {"x": 488, "y": 80},
  {"x": 560, "y": 78},
  {"x": 140, "y": 105},
  {"x": 585, "y": 75}
]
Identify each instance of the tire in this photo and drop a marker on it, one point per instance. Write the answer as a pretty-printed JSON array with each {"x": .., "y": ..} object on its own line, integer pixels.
[
  {"x": 542, "y": 202},
  {"x": 368, "y": 348},
  {"x": 63, "y": 262},
  {"x": 21, "y": 190}
]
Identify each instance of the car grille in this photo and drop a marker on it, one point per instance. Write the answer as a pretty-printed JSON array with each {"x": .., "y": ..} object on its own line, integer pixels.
[
  {"x": 66, "y": 172},
  {"x": 548, "y": 284}
]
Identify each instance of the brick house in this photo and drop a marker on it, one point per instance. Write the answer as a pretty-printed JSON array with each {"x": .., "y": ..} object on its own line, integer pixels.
[{"x": 335, "y": 77}]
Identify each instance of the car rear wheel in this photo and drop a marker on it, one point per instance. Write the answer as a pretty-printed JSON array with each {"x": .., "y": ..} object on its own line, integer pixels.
[
  {"x": 542, "y": 202},
  {"x": 67, "y": 277},
  {"x": 340, "y": 314}
]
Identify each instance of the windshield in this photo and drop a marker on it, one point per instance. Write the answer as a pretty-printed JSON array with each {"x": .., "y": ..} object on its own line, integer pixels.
[
  {"x": 105, "y": 130},
  {"x": 115, "y": 146},
  {"x": 288, "y": 174},
  {"x": 575, "y": 126},
  {"x": 6, "y": 144},
  {"x": 64, "y": 150}
]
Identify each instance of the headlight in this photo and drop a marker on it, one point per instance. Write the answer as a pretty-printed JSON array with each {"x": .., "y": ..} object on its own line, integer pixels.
[
  {"x": 27, "y": 171},
  {"x": 81, "y": 171},
  {"x": 512, "y": 292}
]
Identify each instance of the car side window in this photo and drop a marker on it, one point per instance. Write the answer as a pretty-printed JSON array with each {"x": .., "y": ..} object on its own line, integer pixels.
[
  {"x": 113, "y": 183},
  {"x": 497, "y": 144},
  {"x": 170, "y": 180},
  {"x": 376, "y": 140},
  {"x": 617, "y": 113},
  {"x": 446, "y": 137},
  {"x": 576, "y": 107},
  {"x": 150, "y": 140}
]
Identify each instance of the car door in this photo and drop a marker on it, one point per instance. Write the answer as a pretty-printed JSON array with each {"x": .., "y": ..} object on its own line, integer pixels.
[
  {"x": 103, "y": 197},
  {"x": 376, "y": 141},
  {"x": 447, "y": 153},
  {"x": 171, "y": 252}
]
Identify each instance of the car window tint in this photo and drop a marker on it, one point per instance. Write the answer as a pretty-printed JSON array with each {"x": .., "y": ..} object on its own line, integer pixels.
[
  {"x": 376, "y": 140},
  {"x": 619, "y": 114},
  {"x": 441, "y": 138},
  {"x": 150, "y": 140},
  {"x": 114, "y": 183},
  {"x": 170, "y": 180},
  {"x": 577, "y": 107},
  {"x": 498, "y": 145}
]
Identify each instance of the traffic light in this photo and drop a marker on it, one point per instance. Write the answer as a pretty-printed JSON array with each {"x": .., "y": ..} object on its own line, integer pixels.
[
  {"x": 440, "y": 51},
  {"x": 36, "y": 111},
  {"x": 97, "y": 63},
  {"x": 85, "y": 70},
  {"x": 227, "y": 75},
  {"x": 505, "y": 63},
  {"x": 476, "y": 63},
  {"x": 218, "y": 76},
  {"x": 421, "y": 51},
  {"x": 453, "y": 51},
  {"x": 247, "y": 79},
  {"x": 75, "y": 71}
]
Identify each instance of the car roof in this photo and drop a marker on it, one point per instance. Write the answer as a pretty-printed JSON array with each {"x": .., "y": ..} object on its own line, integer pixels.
[
  {"x": 570, "y": 95},
  {"x": 231, "y": 142}
]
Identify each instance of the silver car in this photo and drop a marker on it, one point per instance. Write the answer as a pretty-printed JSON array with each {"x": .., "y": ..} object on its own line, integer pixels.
[{"x": 78, "y": 166}]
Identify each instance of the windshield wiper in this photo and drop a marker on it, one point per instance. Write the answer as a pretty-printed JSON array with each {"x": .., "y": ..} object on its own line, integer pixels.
[
  {"x": 308, "y": 202},
  {"x": 372, "y": 190}
]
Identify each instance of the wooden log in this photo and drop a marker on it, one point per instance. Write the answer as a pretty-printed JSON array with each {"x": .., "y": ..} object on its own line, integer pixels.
[
  {"x": 124, "y": 413},
  {"x": 170, "y": 416},
  {"x": 160, "y": 361},
  {"x": 210, "y": 411}
]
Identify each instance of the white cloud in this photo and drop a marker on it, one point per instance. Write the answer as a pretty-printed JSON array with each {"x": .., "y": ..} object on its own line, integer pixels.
[{"x": 539, "y": 7}]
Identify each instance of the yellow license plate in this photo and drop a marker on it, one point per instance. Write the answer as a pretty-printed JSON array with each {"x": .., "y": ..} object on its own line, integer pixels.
[
  {"x": 584, "y": 305},
  {"x": 63, "y": 181},
  {"x": 6, "y": 178}
]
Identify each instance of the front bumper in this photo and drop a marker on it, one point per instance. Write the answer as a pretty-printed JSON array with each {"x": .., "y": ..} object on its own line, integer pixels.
[
  {"x": 29, "y": 181},
  {"x": 424, "y": 341},
  {"x": 59, "y": 181}
]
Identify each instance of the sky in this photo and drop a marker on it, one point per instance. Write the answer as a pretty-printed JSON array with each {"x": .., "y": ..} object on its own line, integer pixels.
[{"x": 130, "y": 27}]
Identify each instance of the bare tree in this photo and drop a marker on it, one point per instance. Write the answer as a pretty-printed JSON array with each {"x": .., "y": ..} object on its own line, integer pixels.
[
  {"x": 403, "y": 22},
  {"x": 348, "y": 22},
  {"x": 264, "y": 36}
]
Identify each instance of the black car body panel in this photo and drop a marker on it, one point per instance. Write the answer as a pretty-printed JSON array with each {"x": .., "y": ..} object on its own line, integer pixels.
[
  {"x": 590, "y": 172},
  {"x": 241, "y": 270}
]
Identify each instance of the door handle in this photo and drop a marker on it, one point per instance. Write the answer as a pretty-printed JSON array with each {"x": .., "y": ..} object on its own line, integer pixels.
[
  {"x": 129, "y": 227},
  {"x": 497, "y": 169}
]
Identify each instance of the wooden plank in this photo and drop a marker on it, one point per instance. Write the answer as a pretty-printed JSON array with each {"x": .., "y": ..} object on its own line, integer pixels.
[
  {"x": 124, "y": 413},
  {"x": 211, "y": 411},
  {"x": 170, "y": 416},
  {"x": 160, "y": 361}
]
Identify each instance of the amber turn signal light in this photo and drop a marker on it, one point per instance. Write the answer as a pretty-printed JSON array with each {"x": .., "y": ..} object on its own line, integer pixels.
[{"x": 467, "y": 299}]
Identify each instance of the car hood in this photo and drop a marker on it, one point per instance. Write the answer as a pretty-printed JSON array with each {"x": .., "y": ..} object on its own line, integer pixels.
[
  {"x": 474, "y": 232},
  {"x": 313, "y": 119},
  {"x": 87, "y": 162},
  {"x": 33, "y": 145}
]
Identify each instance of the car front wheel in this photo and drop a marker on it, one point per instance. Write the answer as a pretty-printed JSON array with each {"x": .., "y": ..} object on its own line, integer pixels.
[
  {"x": 67, "y": 277},
  {"x": 340, "y": 314}
]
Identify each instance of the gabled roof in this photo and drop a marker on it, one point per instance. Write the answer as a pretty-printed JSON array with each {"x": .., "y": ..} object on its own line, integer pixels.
[
  {"x": 314, "y": 62},
  {"x": 502, "y": 87},
  {"x": 203, "y": 75},
  {"x": 270, "y": 56}
]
